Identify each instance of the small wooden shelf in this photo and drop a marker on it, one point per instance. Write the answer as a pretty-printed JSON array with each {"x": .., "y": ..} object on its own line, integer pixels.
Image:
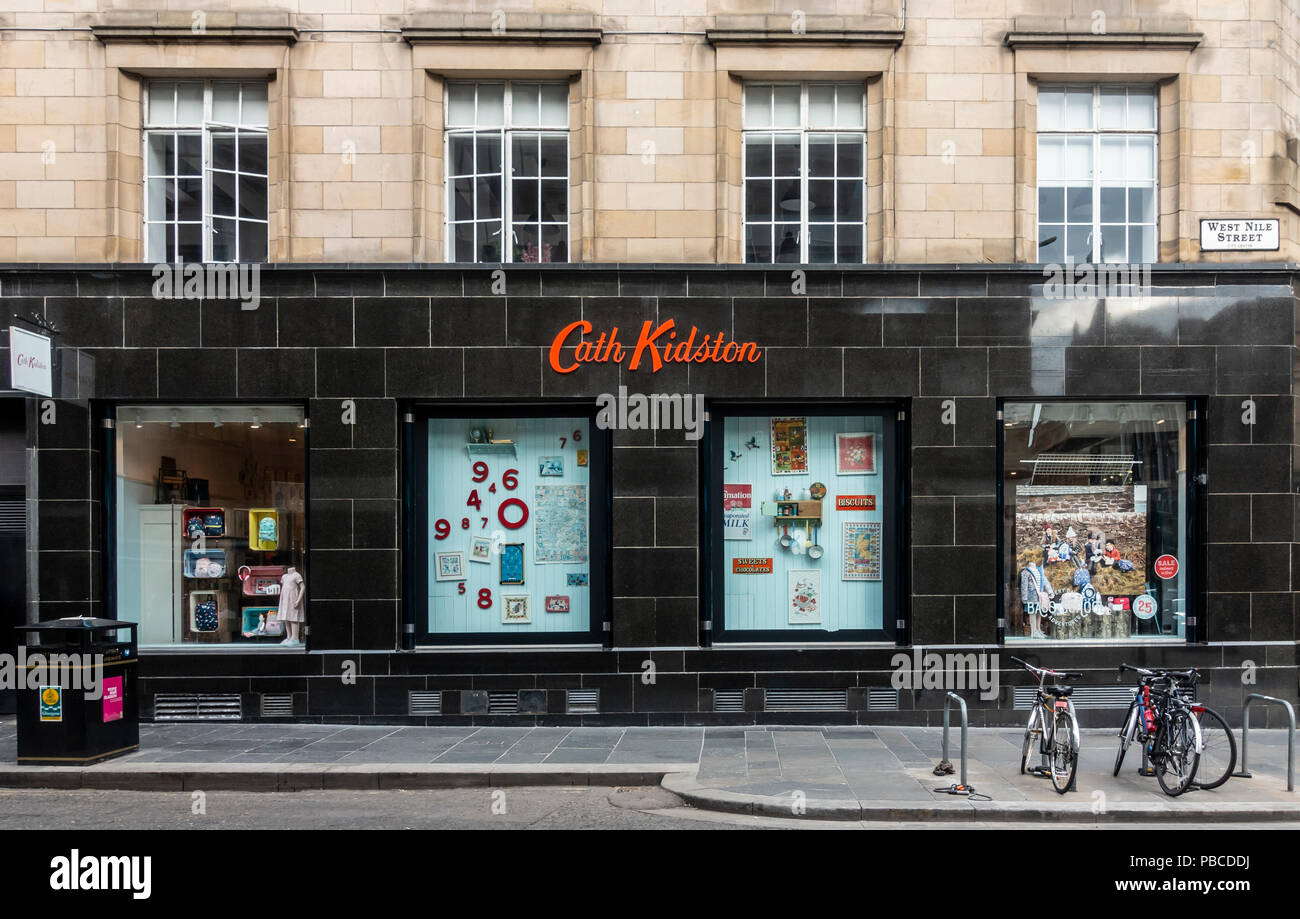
[{"x": 493, "y": 449}]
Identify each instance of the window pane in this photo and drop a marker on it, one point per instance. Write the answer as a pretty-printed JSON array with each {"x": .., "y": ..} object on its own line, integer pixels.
[
  {"x": 162, "y": 148},
  {"x": 1141, "y": 244},
  {"x": 1141, "y": 158},
  {"x": 1078, "y": 205},
  {"x": 1078, "y": 244},
  {"x": 1051, "y": 205},
  {"x": 1141, "y": 110},
  {"x": 821, "y": 105},
  {"x": 1051, "y": 244},
  {"x": 849, "y": 200},
  {"x": 758, "y": 199},
  {"x": 848, "y": 106},
  {"x": 555, "y": 104},
  {"x": 525, "y": 243},
  {"x": 224, "y": 243},
  {"x": 190, "y": 247},
  {"x": 849, "y": 155},
  {"x": 491, "y": 105},
  {"x": 1112, "y": 159},
  {"x": 189, "y": 103},
  {"x": 252, "y": 153},
  {"x": 785, "y": 106},
  {"x": 524, "y": 156},
  {"x": 252, "y": 241},
  {"x": 225, "y": 103},
  {"x": 488, "y": 193},
  {"x": 462, "y": 154},
  {"x": 162, "y": 103},
  {"x": 223, "y": 152},
  {"x": 821, "y": 199},
  {"x": 555, "y": 245},
  {"x": 223, "y": 193},
  {"x": 758, "y": 243},
  {"x": 487, "y": 239},
  {"x": 524, "y": 104},
  {"x": 786, "y": 237},
  {"x": 252, "y": 197},
  {"x": 849, "y": 246},
  {"x": 821, "y": 244},
  {"x": 460, "y": 104},
  {"x": 488, "y": 154},
  {"x": 189, "y": 154},
  {"x": 1112, "y": 108},
  {"x": 463, "y": 250},
  {"x": 787, "y": 199},
  {"x": 1078, "y": 158},
  {"x": 1051, "y": 103},
  {"x": 158, "y": 199},
  {"x": 462, "y": 199},
  {"x": 158, "y": 237},
  {"x": 555, "y": 201},
  {"x": 1078, "y": 109},
  {"x": 524, "y": 204},
  {"x": 1051, "y": 158},
  {"x": 758, "y": 155},
  {"x": 758, "y": 105},
  {"x": 1112, "y": 205},
  {"x": 821, "y": 155},
  {"x": 1113, "y": 244},
  {"x": 254, "y": 111},
  {"x": 189, "y": 202},
  {"x": 785, "y": 155},
  {"x": 555, "y": 156},
  {"x": 1141, "y": 205}
]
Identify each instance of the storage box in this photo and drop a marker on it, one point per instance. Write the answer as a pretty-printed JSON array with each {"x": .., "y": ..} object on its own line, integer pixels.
[
  {"x": 212, "y": 520},
  {"x": 263, "y": 529},
  {"x": 261, "y": 580},
  {"x": 193, "y": 563},
  {"x": 261, "y": 621}
]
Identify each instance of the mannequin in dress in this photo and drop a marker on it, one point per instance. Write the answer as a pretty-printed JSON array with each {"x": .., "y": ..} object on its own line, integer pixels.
[{"x": 292, "y": 609}]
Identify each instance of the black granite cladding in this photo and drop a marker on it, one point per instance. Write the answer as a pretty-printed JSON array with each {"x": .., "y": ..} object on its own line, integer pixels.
[{"x": 384, "y": 336}]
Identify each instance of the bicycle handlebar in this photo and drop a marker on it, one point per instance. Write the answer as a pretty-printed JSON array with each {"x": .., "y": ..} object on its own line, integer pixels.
[{"x": 1065, "y": 674}]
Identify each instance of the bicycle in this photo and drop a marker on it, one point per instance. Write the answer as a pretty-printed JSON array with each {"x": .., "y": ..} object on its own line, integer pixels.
[
  {"x": 1169, "y": 727},
  {"x": 1053, "y": 723}
]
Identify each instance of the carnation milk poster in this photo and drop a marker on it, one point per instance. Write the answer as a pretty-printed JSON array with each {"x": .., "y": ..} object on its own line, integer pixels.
[{"x": 737, "y": 512}]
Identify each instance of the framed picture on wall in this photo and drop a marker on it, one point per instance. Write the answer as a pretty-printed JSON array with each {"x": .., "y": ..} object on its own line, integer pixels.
[
  {"x": 789, "y": 446},
  {"x": 805, "y": 597},
  {"x": 512, "y": 563},
  {"x": 480, "y": 550},
  {"x": 514, "y": 609},
  {"x": 550, "y": 465},
  {"x": 861, "y": 551},
  {"x": 855, "y": 454},
  {"x": 449, "y": 566},
  {"x": 557, "y": 603}
]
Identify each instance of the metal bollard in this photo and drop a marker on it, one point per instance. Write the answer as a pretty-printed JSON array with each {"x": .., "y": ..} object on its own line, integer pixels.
[
  {"x": 947, "y": 708},
  {"x": 1244, "y": 773}
]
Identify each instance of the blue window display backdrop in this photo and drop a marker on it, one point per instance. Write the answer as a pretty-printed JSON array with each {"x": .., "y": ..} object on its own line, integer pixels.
[
  {"x": 542, "y": 465},
  {"x": 838, "y": 588}
]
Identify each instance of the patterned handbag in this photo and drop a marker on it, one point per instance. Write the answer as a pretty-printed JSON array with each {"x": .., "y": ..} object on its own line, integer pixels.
[{"x": 205, "y": 616}]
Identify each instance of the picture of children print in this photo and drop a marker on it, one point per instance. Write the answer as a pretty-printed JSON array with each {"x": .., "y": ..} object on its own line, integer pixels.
[{"x": 789, "y": 446}]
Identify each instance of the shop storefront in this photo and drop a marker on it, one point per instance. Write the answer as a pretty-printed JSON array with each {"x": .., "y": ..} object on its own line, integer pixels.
[{"x": 672, "y": 495}]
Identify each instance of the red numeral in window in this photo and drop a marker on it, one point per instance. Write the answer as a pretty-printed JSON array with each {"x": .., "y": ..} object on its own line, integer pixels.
[
  {"x": 480, "y": 471},
  {"x": 484, "y": 527},
  {"x": 464, "y": 523},
  {"x": 441, "y": 529},
  {"x": 577, "y": 436},
  {"x": 563, "y": 441},
  {"x": 460, "y": 588},
  {"x": 485, "y": 599},
  {"x": 474, "y": 501},
  {"x": 511, "y": 479}
]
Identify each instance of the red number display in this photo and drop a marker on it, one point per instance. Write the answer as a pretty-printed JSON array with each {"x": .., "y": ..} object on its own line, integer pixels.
[
  {"x": 464, "y": 523},
  {"x": 480, "y": 471},
  {"x": 493, "y": 488},
  {"x": 511, "y": 479},
  {"x": 441, "y": 529},
  {"x": 577, "y": 437},
  {"x": 474, "y": 501},
  {"x": 484, "y": 526},
  {"x": 563, "y": 441},
  {"x": 460, "y": 588},
  {"x": 523, "y": 510},
  {"x": 485, "y": 599}
]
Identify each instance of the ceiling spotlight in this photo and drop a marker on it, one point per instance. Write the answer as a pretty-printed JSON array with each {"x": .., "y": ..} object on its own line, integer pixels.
[
  {"x": 257, "y": 422},
  {"x": 216, "y": 420},
  {"x": 176, "y": 422},
  {"x": 138, "y": 423}
]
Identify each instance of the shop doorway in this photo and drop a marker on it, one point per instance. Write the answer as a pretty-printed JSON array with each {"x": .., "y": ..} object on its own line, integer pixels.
[{"x": 13, "y": 531}]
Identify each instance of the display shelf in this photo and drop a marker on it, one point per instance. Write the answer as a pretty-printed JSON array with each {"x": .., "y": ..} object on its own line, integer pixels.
[
  {"x": 497, "y": 448},
  {"x": 203, "y": 514},
  {"x": 263, "y": 529},
  {"x": 192, "y": 557}
]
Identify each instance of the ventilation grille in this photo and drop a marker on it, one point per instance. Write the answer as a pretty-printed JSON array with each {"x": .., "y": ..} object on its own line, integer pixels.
[
  {"x": 582, "y": 701},
  {"x": 503, "y": 703},
  {"x": 728, "y": 700},
  {"x": 203, "y": 706},
  {"x": 882, "y": 700},
  {"x": 424, "y": 702},
  {"x": 277, "y": 705},
  {"x": 1083, "y": 697},
  {"x": 13, "y": 517},
  {"x": 806, "y": 700}
]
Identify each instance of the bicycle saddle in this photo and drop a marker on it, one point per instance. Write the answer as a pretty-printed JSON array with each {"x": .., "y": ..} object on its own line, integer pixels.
[{"x": 1058, "y": 690}]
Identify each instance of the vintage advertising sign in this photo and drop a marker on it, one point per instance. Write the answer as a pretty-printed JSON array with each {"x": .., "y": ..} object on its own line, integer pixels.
[
  {"x": 737, "y": 512},
  {"x": 31, "y": 365},
  {"x": 1240, "y": 235},
  {"x": 855, "y": 502},
  {"x": 751, "y": 566}
]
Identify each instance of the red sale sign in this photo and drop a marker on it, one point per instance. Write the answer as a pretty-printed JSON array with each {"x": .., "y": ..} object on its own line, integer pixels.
[{"x": 1166, "y": 567}]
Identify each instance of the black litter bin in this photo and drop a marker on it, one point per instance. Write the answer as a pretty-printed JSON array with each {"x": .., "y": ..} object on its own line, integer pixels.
[{"x": 70, "y": 710}]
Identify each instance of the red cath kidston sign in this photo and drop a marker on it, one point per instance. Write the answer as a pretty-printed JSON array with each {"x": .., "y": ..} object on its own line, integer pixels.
[{"x": 1166, "y": 567}]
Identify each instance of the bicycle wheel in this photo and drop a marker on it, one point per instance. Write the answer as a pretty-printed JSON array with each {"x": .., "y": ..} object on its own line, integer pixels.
[
  {"x": 1176, "y": 756},
  {"x": 1064, "y": 754},
  {"x": 1033, "y": 735},
  {"x": 1218, "y": 750},
  {"x": 1126, "y": 736}
]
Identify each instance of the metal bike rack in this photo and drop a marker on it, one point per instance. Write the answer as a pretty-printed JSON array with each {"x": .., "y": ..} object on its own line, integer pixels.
[
  {"x": 945, "y": 766},
  {"x": 1245, "y": 733}
]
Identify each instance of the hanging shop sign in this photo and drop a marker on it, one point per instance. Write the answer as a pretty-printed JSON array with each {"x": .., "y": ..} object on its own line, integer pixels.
[
  {"x": 657, "y": 345},
  {"x": 31, "y": 366},
  {"x": 1240, "y": 235}
]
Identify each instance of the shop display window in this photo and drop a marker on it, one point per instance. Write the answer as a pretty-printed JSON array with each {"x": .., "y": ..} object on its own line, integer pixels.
[
  {"x": 802, "y": 518},
  {"x": 209, "y": 523},
  {"x": 513, "y": 529},
  {"x": 1096, "y": 527}
]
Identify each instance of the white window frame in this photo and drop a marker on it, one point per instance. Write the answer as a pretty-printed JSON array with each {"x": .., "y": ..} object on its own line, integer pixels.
[
  {"x": 205, "y": 130},
  {"x": 506, "y": 131},
  {"x": 803, "y": 130},
  {"x": 1097, "y": 132}
]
